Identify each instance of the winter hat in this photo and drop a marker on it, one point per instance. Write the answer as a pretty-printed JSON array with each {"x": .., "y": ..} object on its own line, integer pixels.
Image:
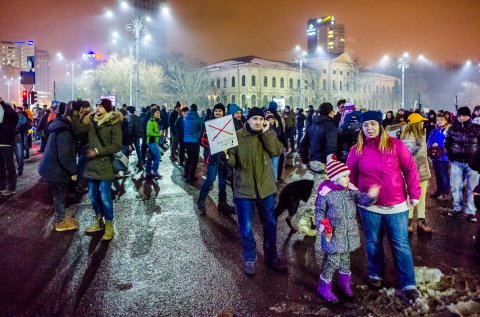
[
  {"x": 272, "y": 105},
  {"x": 219, "y": 106},
  {"x": 464, "y": 111},
  {"x": 131, "y": 109},
  {"x": 194, "y": 107},
  {"x": 106, "y": 104},
  {"x": 317, "y": 166},
  {"x": 61, "y": 108},
  {"x": 416, "y": 118},
  {"x": 325, "y": 108},
  {"x": 335, "y": 169},
  {"x": 371, "y": 115},
  {"x": 255, "y": 111},
  {"x": 269, "y": 115},
  {"x": 177, "y": 105},
  {"x": 233, "y": 108}
]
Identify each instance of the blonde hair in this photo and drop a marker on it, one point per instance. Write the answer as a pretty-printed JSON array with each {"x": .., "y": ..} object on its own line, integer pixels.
[
  {"x": 413, "y": 128},
  {"x": 384, "y": 146}
]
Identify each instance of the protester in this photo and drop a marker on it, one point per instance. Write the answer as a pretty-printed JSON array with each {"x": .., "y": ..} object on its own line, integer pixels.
[
  {"x": 280, "y": 122},
  {"x": 254, "y": 185},
  {"x": 153, "y": 138},
  {"x": 180, "y": 133},
  {"x": 8, "y": 175},
  {"x": 136, "y": 132},
  {"x": 192, "y": 130},
  {"x": 431, "y": 122},
  {"x": 338, "y": 116},
  {"x": 388, "y": 119},
  {"x": 289, "y": 118},
  {"x": 383, "y": 160},
  {"x": 336, "y": 202},
  {"x": 237, "y": 115},
  {"x": 413, "y": 136},
  {"x": 177, "y": 110},
  {"x": 274, "y": 125},
  {"x": 164, "y": 127},
  {"x": 21, "y": 134},
  {"x": 476, "y": 115},
  {"x": 104, "y": 140},
  {"x": 461, "y": 142},
  {"x": 300, "y": 119}
]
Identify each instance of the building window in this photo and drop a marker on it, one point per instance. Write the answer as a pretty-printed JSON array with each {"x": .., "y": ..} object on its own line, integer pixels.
[
  {"x": 233, "y": 81},
  {"x": 334, "y": 86},
  {"x": 347, "y": 86},
  {"x": 243, "y": 101},
  {"x": 298, "y": 84},
  {"x": 306, "y": 85},
  {"x": 274, "y": 82},
  {"x": 265, "y": 101},
  {"x": 324, "y": 84},
  {"x": 218, "y": 83},
  {"x": 213, "y": 83},
  {"x": 313, "y": 84},
  {"x": 282, "y": 82},
  {"x": 334, "y": 72},
  {"x": 340, "y": 85},
  {"x": 383, "y": 90},
  {"x": 254, "y": 81},
  {"x": 243, "y": 80},
  {"x": 324, "y": 71},
  {"x": 290, "y": 101},
  {"x": 265, "y": 81},
  {"x": 253, "y": 101},
  {"x": 225, "y": 82},
  {"x": 341, "y": 72},
  {"x": 376, "y": 90},
  {"x": 225, "y": 101},
  {"x": 291, "y": 83},
  {"x": 233, "y": 98}
]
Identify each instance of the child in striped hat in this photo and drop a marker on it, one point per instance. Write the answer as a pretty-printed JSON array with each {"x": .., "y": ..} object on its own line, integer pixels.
[{"x": 337, "y": 201}]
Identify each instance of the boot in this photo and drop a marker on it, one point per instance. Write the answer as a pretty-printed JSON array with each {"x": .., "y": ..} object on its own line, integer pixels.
[
  {"x": 98, "y": 225},
  {"x": 201, "y": 206},
  {"x": 344, "y": 283},
  {"x": 324, "y": 289},
  {"x": 423, "y": 226},
  {"x": 225, "y": 208},
  {"x": 304, "y": 226},
  {"x": 108, "y": 235},
  {"x": 410, "y": 226}
]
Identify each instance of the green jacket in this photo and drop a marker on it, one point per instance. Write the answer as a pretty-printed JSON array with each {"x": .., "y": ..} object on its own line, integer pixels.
[
  {"x": 290, "y": 119},
  {"x": 100, "y": 167},
  {"x": 153, "y": 131},
  {"x": 252, "y": 164}
]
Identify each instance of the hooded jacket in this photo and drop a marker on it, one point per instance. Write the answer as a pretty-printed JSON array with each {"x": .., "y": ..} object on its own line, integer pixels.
[
  {"x": 319, "y": 141},
  {"x": 390, "y": 170},
  {"x": 8, "y": 125},
  {"x": 59, "y": 159},
  {"x": 300, "y": 121},
  {"x": 192, "y": 127},
  {"x": 462, "y": 141}
]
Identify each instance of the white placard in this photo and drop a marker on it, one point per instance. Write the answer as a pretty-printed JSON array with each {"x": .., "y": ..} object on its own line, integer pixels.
[{"x": 221, "y": 134}]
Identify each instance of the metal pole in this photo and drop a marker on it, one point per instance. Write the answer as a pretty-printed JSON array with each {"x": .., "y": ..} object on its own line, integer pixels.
[
  {"x": 131, "y": 73},
  {"x": 301, "y": 83},
  {"x": 403, "y": 85},
  {"x": 54, "y": 91},
  {"x": 8, "y": 91},
  {"x": 73, "y": 79},
  {"x": 137, "y": 53}
]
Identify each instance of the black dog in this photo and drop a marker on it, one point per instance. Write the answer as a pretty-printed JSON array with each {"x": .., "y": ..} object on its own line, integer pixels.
[{"x": 290, "y": 196}]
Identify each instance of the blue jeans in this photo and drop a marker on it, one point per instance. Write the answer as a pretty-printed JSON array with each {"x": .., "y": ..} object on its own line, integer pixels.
[
  {"x": 138, "y": 150},
  {"x": 245, "y": 209},
  {"x": 275, "y": 161},
  {"x": 100, "y": 194},
  {"x": 299, "y": 136},
  {"x": 441, "y": 177},
  {"x": 212, "y": 171},
  {"x": 154, "y": 151},
  {"x": 375, "y": 226},
  {"x": 19, "y": 155},
  {"x": 458, "y": 173}
]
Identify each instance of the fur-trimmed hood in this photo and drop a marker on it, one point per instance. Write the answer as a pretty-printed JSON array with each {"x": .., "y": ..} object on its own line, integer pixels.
[{"x": 110, "y": 118}]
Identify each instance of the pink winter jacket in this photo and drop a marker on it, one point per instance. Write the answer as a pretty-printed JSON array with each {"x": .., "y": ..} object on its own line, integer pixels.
[{"x": 389, "y": 170}]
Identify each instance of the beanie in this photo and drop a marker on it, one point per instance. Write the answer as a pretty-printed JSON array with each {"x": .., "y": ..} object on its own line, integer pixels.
[
  {"x": 371, "y": 115},
  {"x": 178, "y": 105},
  {"x": 131, "y": 109},
  {"x": 233, "y": 108},
  {"x": 272, "y": 105},
  {"x": 269, "y": 115},
  {"x": 335, "y": 169},
  {"x": 464, "y": 111},
  {"x": 61, "y": 108},
  {"x": 219, "y": 106},
  {"x": 326, "y": 108},
  {"x": 194, "y": 107},
  {"x": 255, "y": 111},
  {"x": 415, "y": 118},
  {"x": 106, "y": 104}
]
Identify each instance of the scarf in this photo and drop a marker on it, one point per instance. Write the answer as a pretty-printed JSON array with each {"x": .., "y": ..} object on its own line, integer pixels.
[
  {"x": 101, "y": 119},
  {"x": 328, "y": 186}
]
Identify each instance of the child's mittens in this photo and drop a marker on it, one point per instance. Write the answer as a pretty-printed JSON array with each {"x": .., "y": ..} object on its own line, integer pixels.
[{"x": 321, "y": 228}]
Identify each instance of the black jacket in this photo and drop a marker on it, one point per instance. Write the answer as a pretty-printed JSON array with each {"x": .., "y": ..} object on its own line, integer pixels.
[
  {"x": 319, "y": 141},
  {"x": 171, "y": 120},
  {"x": 59, "y": 160},
  {"x": 462, "y": 141},
  {"x": 164, "y": 118},
  {"x": 179, "y": 128},
  {"x": 8, "y": 125},
  {"x": 300, "y": 120}
]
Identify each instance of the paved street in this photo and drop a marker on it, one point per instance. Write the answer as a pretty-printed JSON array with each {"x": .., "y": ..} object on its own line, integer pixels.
[{"x": 165, "y": 260}]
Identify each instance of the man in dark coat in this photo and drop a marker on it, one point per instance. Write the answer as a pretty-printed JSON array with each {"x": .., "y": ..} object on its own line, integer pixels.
[
  {"x": 173, "y": 136},
  {"x": 8, "y": 175}
]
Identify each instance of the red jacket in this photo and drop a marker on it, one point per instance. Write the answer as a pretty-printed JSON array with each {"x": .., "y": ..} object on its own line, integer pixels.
[{"x": 389, "y": 170}]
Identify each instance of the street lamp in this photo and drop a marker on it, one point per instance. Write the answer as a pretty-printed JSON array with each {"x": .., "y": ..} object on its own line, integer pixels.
[
  {"x": 403, "y": 65},
  {"x": 300, "y": 59},
  {"x": 72, "y": 64},
  {"x": 129, "y": 53}
]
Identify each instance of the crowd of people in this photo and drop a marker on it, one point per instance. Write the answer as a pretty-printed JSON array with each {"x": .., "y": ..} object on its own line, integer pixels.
[{"x": 360, "y": 160}]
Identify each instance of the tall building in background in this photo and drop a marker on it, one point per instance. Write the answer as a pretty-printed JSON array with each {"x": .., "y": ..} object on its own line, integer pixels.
[
  {"x": 14, "y": 54},
  {"x": 42, "y": 74},
  {"x": 325, "y": 33},
  {"x": 153, "y": 50}
]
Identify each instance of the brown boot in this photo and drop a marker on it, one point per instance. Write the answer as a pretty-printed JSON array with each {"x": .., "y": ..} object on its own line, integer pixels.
[
  {"x": 410, "y": 226},
  {"x": 423, "y": 225}
]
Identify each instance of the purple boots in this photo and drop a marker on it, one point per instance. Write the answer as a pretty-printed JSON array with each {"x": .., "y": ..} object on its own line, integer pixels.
[
  {"x": 324, "y": 288},
  {"x": 344, "y": 283}
]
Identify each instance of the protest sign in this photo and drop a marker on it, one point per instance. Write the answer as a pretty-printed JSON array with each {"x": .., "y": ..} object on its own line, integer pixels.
[{"x": 221, "y": 134}]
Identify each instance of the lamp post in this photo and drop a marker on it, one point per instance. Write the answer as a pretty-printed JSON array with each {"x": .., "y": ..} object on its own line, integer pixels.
[
  {"x": 131, "y": 62},
  {"x": 72, "y": 64},
  {"x": 300, "y": 59},
  {"x": 403, "y": 65},
  {"x": 137, "y": 27}
]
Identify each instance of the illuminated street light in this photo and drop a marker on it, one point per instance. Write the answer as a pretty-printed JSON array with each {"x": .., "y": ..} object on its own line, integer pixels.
[
  {"x": 124, "y": 5},
  {"x": 468, "y": 63},
  {"x": 109, "y": 14},
  {"x": 403, "y": 65},
  {"x": 165, "y": 10},
  {"x": 300, "y": 58}
]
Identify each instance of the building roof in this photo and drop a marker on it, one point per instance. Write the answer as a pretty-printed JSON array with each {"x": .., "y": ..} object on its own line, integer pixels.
[{"x": 251, "y": 59}]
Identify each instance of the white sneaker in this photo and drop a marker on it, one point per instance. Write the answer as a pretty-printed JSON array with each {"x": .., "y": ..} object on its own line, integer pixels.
[{"x": 8, "y": 192}]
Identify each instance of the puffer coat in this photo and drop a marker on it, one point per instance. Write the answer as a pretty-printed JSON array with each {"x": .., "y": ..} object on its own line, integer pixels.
[
  {"x": 462, "y": 141},
  {"x": 418, "y": 149}
]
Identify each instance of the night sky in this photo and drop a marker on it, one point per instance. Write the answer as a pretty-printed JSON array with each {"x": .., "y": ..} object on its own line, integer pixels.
[{"x": 214, "y": 30}]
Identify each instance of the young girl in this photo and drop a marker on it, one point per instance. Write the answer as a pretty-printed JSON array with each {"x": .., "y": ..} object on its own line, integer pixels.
[{"x": 337, "y": 200}]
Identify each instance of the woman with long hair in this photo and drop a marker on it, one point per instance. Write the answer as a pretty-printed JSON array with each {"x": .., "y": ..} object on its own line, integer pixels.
[
  {"x": 380, "y": 159},
  {"x": 413, "y": 136}
]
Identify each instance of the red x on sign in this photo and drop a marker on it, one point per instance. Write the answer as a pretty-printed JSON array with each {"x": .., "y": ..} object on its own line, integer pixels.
[{"x": 221, "y": 130}]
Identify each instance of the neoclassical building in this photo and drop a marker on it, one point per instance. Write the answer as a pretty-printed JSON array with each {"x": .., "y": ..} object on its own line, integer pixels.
[{"x": 252, "y": 81}]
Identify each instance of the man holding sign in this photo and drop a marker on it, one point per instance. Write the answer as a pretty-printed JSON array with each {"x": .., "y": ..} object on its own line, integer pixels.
[
  {"x": 217, "y": 132},
  {"x": 254, "y": 185}
]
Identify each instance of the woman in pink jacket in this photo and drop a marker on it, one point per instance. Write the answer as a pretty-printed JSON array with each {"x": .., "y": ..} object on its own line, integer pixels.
[{"x": 380, "y": 159}]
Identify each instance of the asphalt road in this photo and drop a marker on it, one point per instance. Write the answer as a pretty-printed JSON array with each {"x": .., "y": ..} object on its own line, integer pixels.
[{"x": 165, "y": 260}]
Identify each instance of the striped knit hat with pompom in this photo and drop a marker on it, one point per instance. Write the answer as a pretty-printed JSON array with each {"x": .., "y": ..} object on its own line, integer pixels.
[{"x": 335, "y": 169}]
